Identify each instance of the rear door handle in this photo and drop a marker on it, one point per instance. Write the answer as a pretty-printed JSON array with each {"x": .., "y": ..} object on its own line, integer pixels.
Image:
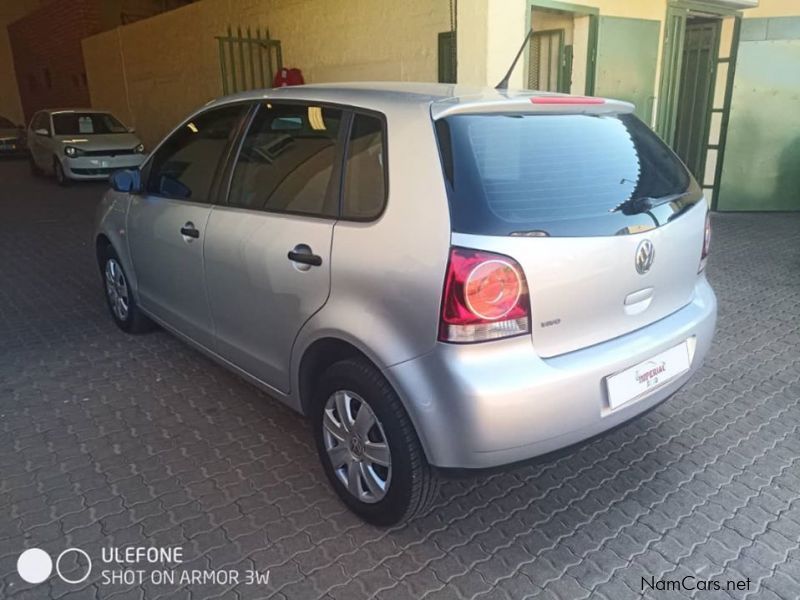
[
  {"x": 189, "y": 230},
  {"x": 314, "y": 260}
]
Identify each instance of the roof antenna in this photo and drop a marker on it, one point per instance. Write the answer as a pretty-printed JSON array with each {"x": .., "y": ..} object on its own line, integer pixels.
[{"x": 503, "y": 85}]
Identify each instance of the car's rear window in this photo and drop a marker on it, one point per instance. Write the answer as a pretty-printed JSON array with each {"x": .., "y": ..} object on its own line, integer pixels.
[{"x": 559, "y": 175}]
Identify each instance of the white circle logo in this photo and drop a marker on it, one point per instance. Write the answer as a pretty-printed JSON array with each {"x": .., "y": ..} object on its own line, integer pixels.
[
  {"x": 88, "y": 568},
  {"x": 34, "y": 565}
]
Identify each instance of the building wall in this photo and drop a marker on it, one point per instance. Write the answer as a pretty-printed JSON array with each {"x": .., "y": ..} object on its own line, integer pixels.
[
  {"x": 774, "y": 8},
  {"x": 153, "y": 72},
  {"x": 48, "y": 60},
  {"x": 10, "y": 104}
]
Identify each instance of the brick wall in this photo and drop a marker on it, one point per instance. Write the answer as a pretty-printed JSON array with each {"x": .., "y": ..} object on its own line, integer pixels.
[
  {"x": 48, "y": 59},
  {"x": 10, "y": 106}
]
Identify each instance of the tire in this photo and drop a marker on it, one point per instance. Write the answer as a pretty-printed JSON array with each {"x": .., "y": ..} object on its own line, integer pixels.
[
  {"x": 125, "y": 311},
  {"x": 411, "y": 484},
  {"x": 58, "y": 171}
]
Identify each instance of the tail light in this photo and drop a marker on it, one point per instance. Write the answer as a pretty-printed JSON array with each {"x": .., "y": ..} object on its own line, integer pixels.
[
  {"x": 485, "y": 298},
  {"x": 567, "y": 100},
  {"x": 706, "y": 244}
]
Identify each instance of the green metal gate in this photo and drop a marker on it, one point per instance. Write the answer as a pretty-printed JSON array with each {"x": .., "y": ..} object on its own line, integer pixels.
[
  {"x": 547, "y": 62},
  {"x": 247, "y": 61},
  {"x": 762, "y": 157},
  {"x": 698, "y": 74},
  {"x": 627, "y": 56}
]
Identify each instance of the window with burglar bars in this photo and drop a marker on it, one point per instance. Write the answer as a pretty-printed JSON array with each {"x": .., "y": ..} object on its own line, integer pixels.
[{"x": 248, "y": 61}]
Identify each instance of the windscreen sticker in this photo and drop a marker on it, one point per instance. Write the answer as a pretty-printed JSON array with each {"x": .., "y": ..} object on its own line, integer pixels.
[{"x": 85, "y": 125}]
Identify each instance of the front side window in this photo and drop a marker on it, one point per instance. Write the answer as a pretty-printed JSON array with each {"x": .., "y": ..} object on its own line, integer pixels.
[
  {"x": 365, "y": 179},
  {"x": 286, "y": 161},
  {"x": 185, "y": 165},
  {"x": 76, "y": 123}
]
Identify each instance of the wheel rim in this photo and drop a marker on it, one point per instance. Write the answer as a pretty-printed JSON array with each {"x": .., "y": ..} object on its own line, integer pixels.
[
  {"x": 117, "y": 289},
  {"x": 357, "y": 447}
]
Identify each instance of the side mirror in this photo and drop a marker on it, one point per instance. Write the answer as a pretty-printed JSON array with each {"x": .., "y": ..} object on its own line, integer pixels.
[
  {"x": 127, "y": 181},
  {"x": 42, "y": 131}
]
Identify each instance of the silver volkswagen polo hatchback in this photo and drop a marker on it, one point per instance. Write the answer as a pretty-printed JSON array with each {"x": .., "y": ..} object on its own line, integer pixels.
[{"x": 439, "y": 277}]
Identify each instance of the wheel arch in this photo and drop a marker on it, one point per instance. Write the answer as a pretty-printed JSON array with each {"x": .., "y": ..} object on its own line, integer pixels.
[
  {"x": 329, "y": 349},
  {"x": 317, "y": 357},
  {"x": 101, "y": 241}
]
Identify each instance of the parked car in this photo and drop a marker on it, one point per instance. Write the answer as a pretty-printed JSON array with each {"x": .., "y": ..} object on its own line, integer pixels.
[
  {"x": 81, "y": 144},
  {"x": 440, "y": 278},
  {"x": 12, "y": 138}
]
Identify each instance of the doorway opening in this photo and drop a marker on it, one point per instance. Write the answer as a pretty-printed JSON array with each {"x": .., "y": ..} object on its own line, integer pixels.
[
  {"x": 561, "y": 48},
  {"x": 696, "y": 85},
  {"x": 699, "y": 57}
]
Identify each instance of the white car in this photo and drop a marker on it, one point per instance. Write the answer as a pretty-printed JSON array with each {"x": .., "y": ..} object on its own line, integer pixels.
[{"x": 81, "y": 144}]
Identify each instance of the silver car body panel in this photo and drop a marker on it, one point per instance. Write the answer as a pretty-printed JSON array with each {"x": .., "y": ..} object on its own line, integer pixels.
[
  {"x": 483, "y": 405},
  {"x": 474, "y": 405},
  {"x": 586, "y": 290},
  {"x": 169, "y": 266},
  {"x": 256, "y": 293}
]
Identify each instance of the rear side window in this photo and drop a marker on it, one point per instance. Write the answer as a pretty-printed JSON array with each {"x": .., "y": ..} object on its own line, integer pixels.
[
  {"x": 185, "y": 165},
  {"x": 365, "y": 179},
  {"x": 559, "y": 175},
  {"x": 287, "y": 159}
]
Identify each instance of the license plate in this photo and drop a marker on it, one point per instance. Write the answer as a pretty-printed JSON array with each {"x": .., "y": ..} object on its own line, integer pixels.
[{"x": 636, "y": 381}]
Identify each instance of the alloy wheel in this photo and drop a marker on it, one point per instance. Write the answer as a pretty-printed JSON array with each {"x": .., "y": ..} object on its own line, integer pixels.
[
  {"x": 357, "y": 446},
  {"x": 117, "y": 289}
]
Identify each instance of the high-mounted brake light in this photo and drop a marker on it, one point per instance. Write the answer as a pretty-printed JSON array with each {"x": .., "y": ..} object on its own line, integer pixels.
[
  {"x": 566, "y": 100},
  {"x": 485, "y": 298},
  {"x": 706, "y": 244}
]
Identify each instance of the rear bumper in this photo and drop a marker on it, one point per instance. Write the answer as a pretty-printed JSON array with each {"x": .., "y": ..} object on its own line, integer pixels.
[
  {"x": 484, "y": 405},
  {"x": 99, "y": 167}
]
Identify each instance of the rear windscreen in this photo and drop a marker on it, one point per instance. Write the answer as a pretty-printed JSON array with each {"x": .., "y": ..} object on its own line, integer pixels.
[{"x": 560, "y": 175}]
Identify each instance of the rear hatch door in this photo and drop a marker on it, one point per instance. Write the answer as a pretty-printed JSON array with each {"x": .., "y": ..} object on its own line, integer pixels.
[{"x": 603, "y": 218}]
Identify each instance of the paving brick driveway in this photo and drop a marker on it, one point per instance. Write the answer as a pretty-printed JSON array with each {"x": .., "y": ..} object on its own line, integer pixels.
[{"x": 107, "y": 439}]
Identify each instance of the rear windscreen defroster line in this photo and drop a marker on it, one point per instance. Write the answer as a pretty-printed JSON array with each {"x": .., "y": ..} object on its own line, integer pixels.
[{"x": 560, "y": 175}]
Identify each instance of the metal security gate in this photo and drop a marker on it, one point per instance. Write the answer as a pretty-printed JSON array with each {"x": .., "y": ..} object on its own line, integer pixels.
[
  {"x": 547, "y": 62},
  {"x": 627, "y": 59},
  {"x": 698, "y": 74},
  {"x": 247, "y": 61},
  {"x": 761, "y": 169}
]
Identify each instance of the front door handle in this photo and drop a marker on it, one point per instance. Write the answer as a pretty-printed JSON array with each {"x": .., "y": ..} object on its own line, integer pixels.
[
  {"x": 190, "y": 231},
  {"x": 314, "y": 260},
  {"x": 303, "y": 254}
]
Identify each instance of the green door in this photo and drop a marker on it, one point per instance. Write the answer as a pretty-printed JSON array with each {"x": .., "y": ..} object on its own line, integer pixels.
[
  {"x": 761, "y": 170},
  {"x": 627, "y": 56},
  {"x": 698, "y": 73}
]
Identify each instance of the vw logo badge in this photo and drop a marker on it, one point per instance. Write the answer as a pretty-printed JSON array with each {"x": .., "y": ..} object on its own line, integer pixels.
[{"x": 645, "y": 255}]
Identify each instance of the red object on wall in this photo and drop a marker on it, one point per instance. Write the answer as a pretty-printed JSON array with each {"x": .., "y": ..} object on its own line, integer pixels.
[
  {"x": 286, "y": 77},
  {"x": 48, "y": 58}
]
